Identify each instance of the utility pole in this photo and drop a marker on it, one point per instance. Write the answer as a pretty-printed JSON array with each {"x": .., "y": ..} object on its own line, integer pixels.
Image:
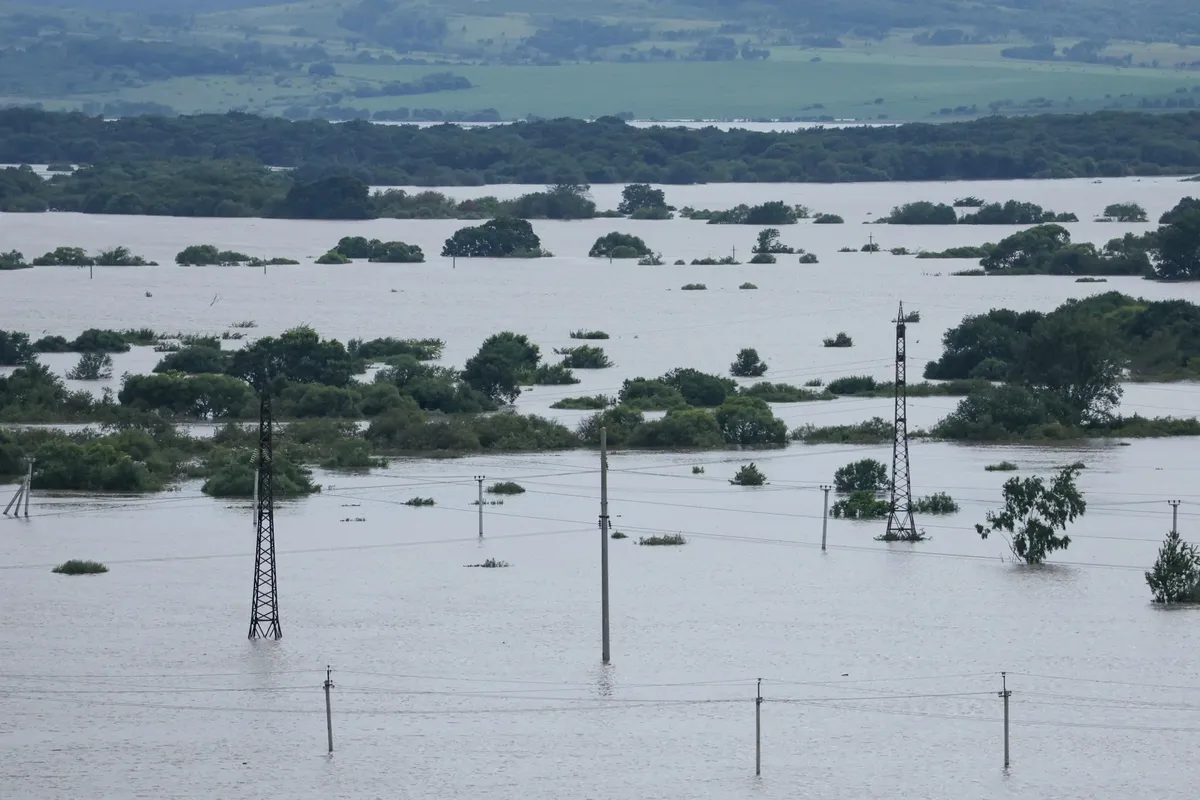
[
  {"x": 758, "y": 730},
  {"x": 479, "y": 480},
  {"x": 604, "y": 653},
  {"x": 825, "y": 517},
  {"x": 264, "y": 608},
  {"x": 328, "y": 708},
  {"x": 900, "y": 523},
  {"x": 90, "y": 275},
  {"x": 1174, "y": 515},
  {"x": 871, "y": 243},
  {"x": 14, "y": 505},
  {"x": 1005, "y": 693},
  {"x": 28, "y": 486}
]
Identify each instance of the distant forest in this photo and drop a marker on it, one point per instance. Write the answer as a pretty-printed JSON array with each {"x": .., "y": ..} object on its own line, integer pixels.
[
  {"x": 610, "y": 151},
  {"x": 1162, "y": 20}
]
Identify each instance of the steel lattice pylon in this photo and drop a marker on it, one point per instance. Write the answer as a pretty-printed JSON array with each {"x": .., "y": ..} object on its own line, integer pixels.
[
  {"x": 900, "y": 523},
  {"x": 264, "y": 609}
]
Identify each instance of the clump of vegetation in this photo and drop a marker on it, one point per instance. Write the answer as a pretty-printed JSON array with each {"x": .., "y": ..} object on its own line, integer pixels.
[
  {"x": 76, "y": 257},
  {"x": 782, "y": 393},
  {"x": 92, "y": 367},
  {"x": 921, "y": 212},
  {"x": 584, "y": 357},
  {"x": 506, "y": 487},
  {"x": 911, "y": 316},
  {"x": 768, "y": 243},
  {"x": 1014, "y": 212},
  {"x": 491, "y": 563},
  {"x": 207, "y": 255},
  {"x": 865, "y": 475},
  {"x": 762, "y": 258},
  {"x": 748, "y": 364},
  {"x": 79, "y": 567},
  {"x": 899, "y": 251},
  {"x": 693, "y": 287},
  {"x": 775, "y": 212},
  {"x": 697, "y": 470},
  {"x": 1091, "y": 280},
  {"x": 582, "y": 334},
  {"x": 747, "y": 285},
  {"x": 870, "y": 247},
  {"x": 332, "y": 257},
  {"x": 388, "y": 348},
  {"x": 809, "y": 258},
  {"x": 550, "y": 375},
  {"x": 874, "y": 431},
  {"x": 617, "y": 535},
  {"x": 1034, "y": 513},
  {"x": 595, "y": 402},
  {"x": 619, "y": 245},
  {"x": 420, "y": 502},
  {"x": 814, "y": 382},
  {"x": 665, "y": 540},
  {"x": 724, "y": 261},
  {"x": 1175, "y": 577},
  {"x": 352, "y": 247},
  {"x": 749, "y": 475},
  {"x": 640, "y": 201},
  {"x": 980, "y": 251},
  {"x": 968, "y": 273},
  {"x": 860, "y": 505},
  {"x": 1123, "y": 212},
  {"x": 652, "y": 260},
  {"x": 828, "y": 219},
  {"x": 936, "y": 503},
  {"x": 910, "y": 535},
  {"x": 502, "y": 237},
  {"x": 968, "y": 202},
  {"x": 1003, "y": 466},
  {"x": 841, "y": 340}
]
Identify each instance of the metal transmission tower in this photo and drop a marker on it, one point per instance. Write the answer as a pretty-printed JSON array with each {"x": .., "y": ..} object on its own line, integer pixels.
[
  {"x": 264, "y": 609},
  {"x": 900, "y": 523}
]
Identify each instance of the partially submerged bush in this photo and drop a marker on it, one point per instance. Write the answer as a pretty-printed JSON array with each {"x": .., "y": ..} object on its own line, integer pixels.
[
  {"x": 506, "y": 487},
  {"x": 852, "y": 384},
  {"x": 693, "y": 287},
  {"x": 747, "y": 285},
  {"x": 808, "y": 258},
  {"x": 1003, "y": 466},
  {"x": 860, "y": 505},
  {"x": 78, "y": 567},
  {"x": 92, "y": 367},
  {"x": 420, "y": 502},
  {"x": 841, "y": 340},
  {"x": 594, "y": 402},
  {"x": 491, "y": 563},
  {"x": 617, "y": 535},
  {"x": 827, "y": 219},
  {"x": 937, "y": 503},
  {"x": 748, "y": 364},
  {"x": 619, "y": 245},
  {"x": 584, "y": 357},
  {"x": 1175, "y": 577},
  {"x": 666, "y": 540},
  {"x": 864, "y": 475},
  {"x": 749, "y": 475},
  {"x": 582, "y": 334}
]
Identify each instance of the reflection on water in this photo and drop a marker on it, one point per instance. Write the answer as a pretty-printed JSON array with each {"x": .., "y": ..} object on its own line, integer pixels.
[{"x": 880, "y": 663}]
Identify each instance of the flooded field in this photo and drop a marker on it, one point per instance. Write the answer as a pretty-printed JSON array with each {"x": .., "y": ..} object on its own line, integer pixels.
[{"x": 880, "y": 664}]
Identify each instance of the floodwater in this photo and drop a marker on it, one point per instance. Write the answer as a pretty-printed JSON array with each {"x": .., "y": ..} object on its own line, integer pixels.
[{"x": 880, "y": 664}]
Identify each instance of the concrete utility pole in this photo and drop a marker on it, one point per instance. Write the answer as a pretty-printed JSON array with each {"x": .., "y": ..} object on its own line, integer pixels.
[
  {"x": 479, "y": 480},
  {"x": 1174, "y": 515},
  {"x": 758, "y": 730},
  {"x": 1005, "y": 693},
  {"x": 14, "y": 505},
  {"x": 825, "y": 517},
  {"x": 28, "y": 486},
  {"x": 328, "y": 708},
  {"x": 604, "y": 652}
]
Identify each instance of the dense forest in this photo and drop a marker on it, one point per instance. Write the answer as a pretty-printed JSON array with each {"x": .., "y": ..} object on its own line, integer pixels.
[{"x": 609, "y": 151}]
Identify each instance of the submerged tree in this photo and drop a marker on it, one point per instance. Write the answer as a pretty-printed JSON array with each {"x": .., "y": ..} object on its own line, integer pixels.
[
  {"x": 865, "y": 475},
  {"x": 1034, "y": 514},
  {"x": 1176, "y": 574},
  {"x": 748, "y": 364},
  {"x": 92, "y": 367}
]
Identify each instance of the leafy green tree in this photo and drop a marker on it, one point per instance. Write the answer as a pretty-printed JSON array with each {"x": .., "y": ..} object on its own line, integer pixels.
[
  {"x": 749, "y": 421},
  {"x": 1014, "y": 212},
  {"x": 638, "y": 197},
  {"x": 95, "y": 340},
  {"x": 13, "y": 259},
  {"x": 691, "y": 428},
  {"x": 91, "y": 467},
  {"x": 334, "y": 197},
  {"x": 994, "y": 414},
  {"x": 1035, "y": 513},
  {"x": 748, "y": 364},
  {"x": 206, "y": 396},
  {"x": 560, "y": 201},
  {"x": 699, "y": 388},
  {"x": 622, "y": 424},
  {"x": 1072, "y": 361},
  {"x": 356, "y": 246},
  {"x": 64, "y": 257},
  {"x": 299, "y": 355},
  {"x": 860, "y": 505},
  {"x": 1176, "y": 248},
  {"x": 397, "y": 253},
  {"x": 922, "y": 212},
  {"x": 865, "y": 475},
  {"x": 768, "y": 243},
  {"x": 15, "y": 348},
  {"x": 503, "y": 237},
  {"x": 994, "y": 337},
  {"x": 207, "y": 255},
  {"x": 619, "y": 245},
  {"x": 1024, "y": 249},
  {"x": 231, "y": 474},
  {"x": 92, "y": 367},
  {"x": 1182, "y": 207},
  {"x": 749, "y": 475},
  {"x": 1175, "y": 577},
  {"x": 649, "y": 395},
  {"x": 195, "y": 359},
  {"x": 1125, "y": 212},
  {"x": 314, "y": 400},
  {"x": 497, "y": 368}
]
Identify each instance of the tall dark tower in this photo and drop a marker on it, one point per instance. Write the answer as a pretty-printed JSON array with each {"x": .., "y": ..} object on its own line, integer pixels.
[
  {"x": 900, "y": 523},
  {"x": 264, "y": 610}
]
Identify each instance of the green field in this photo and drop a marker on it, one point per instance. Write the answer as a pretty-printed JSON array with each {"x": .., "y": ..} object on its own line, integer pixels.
[{"x": 844, "y": 85}]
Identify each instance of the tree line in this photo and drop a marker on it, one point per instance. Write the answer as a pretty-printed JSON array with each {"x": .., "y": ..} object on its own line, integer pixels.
[{"x": 609, "y": 151}]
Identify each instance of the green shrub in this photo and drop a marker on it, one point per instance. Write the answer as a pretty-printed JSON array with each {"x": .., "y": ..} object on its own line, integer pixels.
[
  {"x": 937, "y": 503},
  {"x": 748, "y": 475},
  {"x": 619, "y": 245},
  {"x": 333, "y": 257},
  {"x": 828, "y": 219},
  {"x": 1003, "y": 466},
  {"x": 874, "y": 431},
  {"x": 808, "y": 258},
  {"x": 584, "y": 357},
  {"x": 762, "y": 258},
  {"x": 782, "y": 393},
  {"x": 841, "y": 340},
  {"x": 491, "y": 563},
  {"x": 747, "y": 286},
  {"x": 865, "y": 475},
  {"x": 506, "y": 487},
  {"x": 852, "y": 384},
  {"x": 552, "y": 375},
  {"x": 207, "y": 255},
  {"x": 78, "y": 567},
  {"x": 92, "y": 367},
  {"x": 665, "y": 540},
  {"x": 582, "y": 334},
  {"x": 748, "y": 364},
  {"x": 617, "y": 535},
  {"x": 860, "y": 505},
  {"x": 921, "y": 212},
  {"x": 693, "y": 287},
  {"x": 420, "y": 502},
  {"x": 595, "y": 402}
]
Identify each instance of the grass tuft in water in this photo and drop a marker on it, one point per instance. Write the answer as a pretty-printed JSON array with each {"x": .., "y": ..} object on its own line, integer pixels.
[
  {"x": 666, "y": 540},
  {"x": 78, "y": 567}
]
